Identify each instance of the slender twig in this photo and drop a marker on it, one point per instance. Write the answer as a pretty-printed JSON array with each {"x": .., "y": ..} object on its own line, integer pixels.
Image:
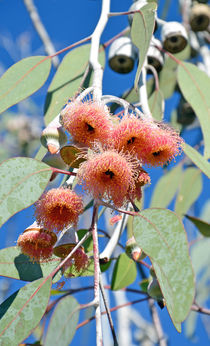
[
  {"x": 202, "y": 310},
  {"x": 123, "y": 32},
  {"x": 157, "y": 324},
  {"x": 41, "y": 31},
  {"x": 143, "y": 92},
  {"x": 111, "y": 310},
  {"x": 113, "y": 241},
  {"x": 108, "y": 311},
  {"x": 57, "y": 170},
  {"x": 108, "y": 205},
  {"x": 155, "y": 74},
  {"x": 94, "y": 50},
  {"x": 99, "y": 341}
]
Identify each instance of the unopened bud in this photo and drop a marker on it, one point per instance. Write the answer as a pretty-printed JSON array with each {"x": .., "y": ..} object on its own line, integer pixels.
[{"x": 53, "y": 138}]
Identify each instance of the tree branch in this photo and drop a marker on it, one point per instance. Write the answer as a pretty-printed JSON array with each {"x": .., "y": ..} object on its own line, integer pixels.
[{"x": 41, "y": 31}]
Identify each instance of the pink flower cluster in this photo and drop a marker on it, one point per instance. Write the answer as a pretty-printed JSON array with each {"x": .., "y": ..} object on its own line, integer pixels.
[{"x": 111, "y": 169}]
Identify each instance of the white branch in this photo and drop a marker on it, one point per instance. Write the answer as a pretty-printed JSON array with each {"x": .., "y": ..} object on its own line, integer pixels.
[
  {"x": 94, "y": 50},
  {"x": 41, "y": 31}
]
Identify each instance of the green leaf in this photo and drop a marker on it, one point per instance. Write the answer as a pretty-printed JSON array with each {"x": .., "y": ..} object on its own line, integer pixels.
[
  {"x": 161, "y": 235},
  {"x": 195, "y": 86},
  {"x": 201, "y": 225},
  {"x": 67, "y": 80},
  {"x": 141, "y": 32},
  {"x": 167, "y": 78},
  {"x": 189, "y": 190},
  {"x": 197, "y": 159},
  {"x": 124, "y": 272},
  {"x": 23, "y": 310},
  {"x": 22, "y": 181},
  {"x": 14, "y": 264},
  {"x": 63, "y": 322},
  {"x": 166, "y": 188},
  {"x": 41, "y": 153},
  {"x": 88, "y": 244},
  {"x": 156, "y": 105},
  {"x": 23, "y": 79}
]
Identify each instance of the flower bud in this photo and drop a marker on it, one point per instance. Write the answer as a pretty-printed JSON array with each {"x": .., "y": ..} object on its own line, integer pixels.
[
  {"x": 174, "y": 37},
  {"x": 122, "y": 55},
  {"x": 52, "y": 138},
  {"x": 186, "y": 114},
  {"x": 133, "y": 250},
  {"x": 36, "y": 242},
  {"x": 199, "y": 17},
  {"x": 154, "y": 55},
  {"x": 65, "y": 244},
  {"x": 153, "y": 290}
]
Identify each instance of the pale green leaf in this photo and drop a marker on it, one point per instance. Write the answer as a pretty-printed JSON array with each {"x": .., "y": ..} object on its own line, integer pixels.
[
  {"x": 22, "y": 311},
  {"x": 124, "y": 272},
  {"x": 141, "y": 32},
  {"x": 67, "y": 80},
  {"x": 167, "y": 78},
  {"x": 166, "y": 187},
  {"x": 189, "y": 190},
  {"x": 195, "y": 86},
  {"x": 197, "y": 159},
  {"x": 201, "y": 225},
  {"x": 14, "y": 264},
  {"x": 63, "y": 323},
  {"x": 161, "y": 235},
  {"x": 23, "y": 79},
  {"x": 156, "y": 105},
  {"x": 22, "y": 181}
]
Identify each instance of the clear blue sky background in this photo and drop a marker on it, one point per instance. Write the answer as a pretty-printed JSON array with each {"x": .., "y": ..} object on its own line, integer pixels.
[{"x": 67, "y": 22}]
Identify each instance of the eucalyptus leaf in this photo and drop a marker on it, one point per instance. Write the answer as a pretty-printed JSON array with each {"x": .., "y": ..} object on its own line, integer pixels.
[
  {"x": 22, "y": 311},
  {"x": 161, "y": 235},
  {"x": 166, "y": 188},
  {"x": 63, "y": 322},
  {"x": 202, "y": 226},
  {"x": 124, "y": 272},
  {"x": 23, "y": 79},
  {"x": 14, "y": 264},
  {"x": 67, "y": 80},
  {"x": 167, "y": 78},
  {"x": 156, "y": 105},
  {"x": 189, "y": 190},
  {"x": 195, "y": 86},
  {"x": 197, "y": 159},
  {"x": 22, "y": 181},
  {"x": 141, "y": 33}
]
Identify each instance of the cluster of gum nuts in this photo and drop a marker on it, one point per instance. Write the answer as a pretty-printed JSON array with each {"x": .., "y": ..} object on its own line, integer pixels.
[{"x": 111, "y": 151}]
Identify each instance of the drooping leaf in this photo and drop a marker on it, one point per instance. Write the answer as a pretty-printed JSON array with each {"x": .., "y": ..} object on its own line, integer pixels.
[
  {"x": 124, "y": 272},
  {"x": 23, "y": 310},
  {"x": 160, "y": 234},
  {"x": 156, "y": 105},
  {"x": 63, "y": 323},
  {"x": 66, "y": 81},
  {"x": 22, "y": 181},
  {"x": 141, "y": 32},
  {"x": 189, "y": 190},
  {"x": 167, "y": 78},
  {"x": 14, "y": 264},
  {"x": 195, "y": 85},
  {"x": 197, "y": 159},
  {"x": 41, "y": 153},
  {"x": 201, "y": 225},
  {"x": 166, "y": 188},
  {"x": 23, "y": 79}
]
